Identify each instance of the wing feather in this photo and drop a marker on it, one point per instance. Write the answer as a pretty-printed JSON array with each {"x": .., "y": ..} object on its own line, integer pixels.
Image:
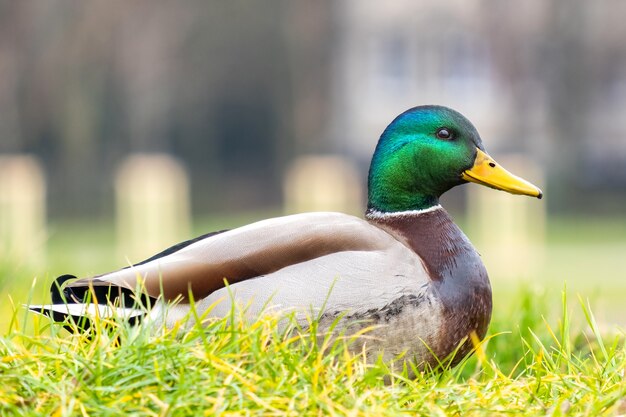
[{"x": 247, "y": 252}]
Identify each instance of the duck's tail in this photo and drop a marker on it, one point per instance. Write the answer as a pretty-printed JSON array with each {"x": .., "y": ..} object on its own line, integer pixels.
[{"x": 78, "y": 307}]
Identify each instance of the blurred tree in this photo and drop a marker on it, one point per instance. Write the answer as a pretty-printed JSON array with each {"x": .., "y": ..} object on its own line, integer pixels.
[{"x": 217, "y": 84}]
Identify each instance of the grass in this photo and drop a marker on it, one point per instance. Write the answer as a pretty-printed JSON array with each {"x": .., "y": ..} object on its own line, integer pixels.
[{"x": 532, "y": 367}]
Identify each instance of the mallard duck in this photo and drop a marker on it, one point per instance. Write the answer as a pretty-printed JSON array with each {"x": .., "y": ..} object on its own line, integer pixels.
[{"x": 406, "y": 268}]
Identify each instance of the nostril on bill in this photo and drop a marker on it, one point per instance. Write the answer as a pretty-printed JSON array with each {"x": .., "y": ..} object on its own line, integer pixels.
[{"x": 492, "y": 164}]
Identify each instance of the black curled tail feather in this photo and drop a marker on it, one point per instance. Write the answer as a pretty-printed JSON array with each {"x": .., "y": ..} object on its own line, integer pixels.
[
  {"x": 60, "y": 295},
  {"x": 63, "y": 294}
]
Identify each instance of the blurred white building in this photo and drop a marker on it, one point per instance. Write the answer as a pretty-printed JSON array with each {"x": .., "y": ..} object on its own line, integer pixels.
[
  {"x": 393, "y": 56},
  {"x": 545, "y": 79}
]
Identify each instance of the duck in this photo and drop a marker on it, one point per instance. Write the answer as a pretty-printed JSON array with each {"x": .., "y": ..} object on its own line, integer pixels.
[{"x": 405, "y": 270}]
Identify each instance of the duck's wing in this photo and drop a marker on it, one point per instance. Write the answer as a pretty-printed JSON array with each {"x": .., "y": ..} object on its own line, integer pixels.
[
  {"x": 177, "y": 247},
  {"x": 203, "y": 266}
]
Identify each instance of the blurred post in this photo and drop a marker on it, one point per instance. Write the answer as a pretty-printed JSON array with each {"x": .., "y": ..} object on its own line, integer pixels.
[
  {"x": 22, "y": 208},
  {"x": 322, "y": 183},
  {"x": 509, "y": 230},
  {"x": 153, "y": 210}
]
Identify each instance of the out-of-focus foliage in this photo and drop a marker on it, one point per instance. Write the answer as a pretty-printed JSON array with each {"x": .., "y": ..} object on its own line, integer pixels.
[{"x": 84, "y": 84}]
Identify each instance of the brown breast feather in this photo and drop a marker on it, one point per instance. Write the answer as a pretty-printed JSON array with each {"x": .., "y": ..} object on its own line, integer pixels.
[{"x": 455, "y": 268}]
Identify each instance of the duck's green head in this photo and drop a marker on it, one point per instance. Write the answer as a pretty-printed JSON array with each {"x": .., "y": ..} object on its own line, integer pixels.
[{"x": 426, "y": 151}]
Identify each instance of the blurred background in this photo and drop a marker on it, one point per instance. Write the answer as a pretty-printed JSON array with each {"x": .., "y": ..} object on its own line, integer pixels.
[{"x": 127, "y": 126}]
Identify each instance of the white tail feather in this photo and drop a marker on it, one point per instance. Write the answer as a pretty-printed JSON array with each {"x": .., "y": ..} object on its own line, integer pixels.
[{"x": 89, "y": 310}]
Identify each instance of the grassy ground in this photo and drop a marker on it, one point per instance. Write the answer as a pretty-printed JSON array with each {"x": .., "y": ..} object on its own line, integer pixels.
[
  {"x": 543, "y": 356},
  {"x": 527, "y": 366}
]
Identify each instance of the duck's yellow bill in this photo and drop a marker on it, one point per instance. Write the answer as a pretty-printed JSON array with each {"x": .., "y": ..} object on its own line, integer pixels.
[{"x": 487, "y": 172}]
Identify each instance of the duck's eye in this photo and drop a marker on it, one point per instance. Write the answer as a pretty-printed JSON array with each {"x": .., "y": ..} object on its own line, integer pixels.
[{"x": 444, "y": 133}]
